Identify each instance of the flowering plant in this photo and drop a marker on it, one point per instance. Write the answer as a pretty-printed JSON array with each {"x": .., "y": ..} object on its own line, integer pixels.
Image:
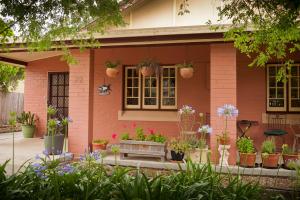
[
  {"x": 186, "y": 110},
  {"x": 226, "y": 111},
  {"x": 203, "y": 130}
]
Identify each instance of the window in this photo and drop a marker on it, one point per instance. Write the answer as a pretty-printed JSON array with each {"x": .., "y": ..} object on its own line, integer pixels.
[
  {"x": 283, "y": 96},
  {"x": 150, "y": 92}
]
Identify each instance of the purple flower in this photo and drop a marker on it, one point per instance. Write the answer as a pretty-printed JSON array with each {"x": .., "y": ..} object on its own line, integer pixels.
[
  {"x": 65, "y": 169},
  {"x": 228, "y": 111},
  {"x": 46, "y": 153},
  {"x": 37, "y": 157}
]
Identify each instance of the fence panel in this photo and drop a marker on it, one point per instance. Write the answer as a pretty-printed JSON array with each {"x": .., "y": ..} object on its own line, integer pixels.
[{"x": 10, "y": 102}]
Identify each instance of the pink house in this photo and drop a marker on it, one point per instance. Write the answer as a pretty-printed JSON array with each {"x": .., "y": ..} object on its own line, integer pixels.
[{"x": 154, "y": 30}]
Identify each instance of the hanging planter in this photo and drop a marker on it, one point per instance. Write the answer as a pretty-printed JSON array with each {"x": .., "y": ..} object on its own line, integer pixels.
[
  {"x": 111, "y": 69},
  {"x": 186, "y": 70},
  {"x": 148, "y": 67}
]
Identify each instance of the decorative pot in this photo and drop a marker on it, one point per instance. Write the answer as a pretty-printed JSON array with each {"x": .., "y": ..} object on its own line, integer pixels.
[
  {"x": 224, "y": 155},
  {"x": 28, "y": 131},
  {"x": 112, "y": 72},
  {"x": 247, "y": 159},
  {"x": 57, "y": 147},
  {"x": 224, "y": 141},
  {"x": 199, "y": 155},
  {"x": 270, "y": 160},
  {"x": 187, "y": 72},
  {"x": 97, "y": 146},
  {"x": 177, "y": 156},
  {"x": 147, "y": 71},
  {"x": 288, "y": 158}
]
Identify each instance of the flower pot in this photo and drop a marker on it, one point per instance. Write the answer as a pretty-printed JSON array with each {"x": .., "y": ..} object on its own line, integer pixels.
[
  {"x": 187, "y": 72},
  {"x": 224, "y": 141},
  {"x": 57, "y": 147},
  {"x": 199, "y": 155},
  {"x": 147, "y": 71},
  {"x": 247, "y": 159},
  {"x": 112, "y": 72},
  {"x": 97, "y": 146},
  {"x": 270, "y": 160},
  {"x": 177, "y": 156},
  {"x": 224, "y": 154},
  {"x": 28, "y": 131},
  {"x": 288, "y": 158}
]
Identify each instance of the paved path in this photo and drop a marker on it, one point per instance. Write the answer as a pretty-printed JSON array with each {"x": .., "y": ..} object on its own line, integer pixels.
[{"x": 25, "y": 148}]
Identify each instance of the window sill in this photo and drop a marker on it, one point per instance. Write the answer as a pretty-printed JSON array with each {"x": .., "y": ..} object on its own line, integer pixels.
[{"x": 155, "y": 116}]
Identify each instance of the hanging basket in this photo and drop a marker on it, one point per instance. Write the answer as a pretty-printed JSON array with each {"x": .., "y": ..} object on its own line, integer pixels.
[
  {"x": 147, "y": 71},
  {"x": 112, "y": 72},
  {"x": 187, "y": 72}
]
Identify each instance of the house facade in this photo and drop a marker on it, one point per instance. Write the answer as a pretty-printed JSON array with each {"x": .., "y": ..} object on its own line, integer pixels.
[{"x": 155, "y": 30}]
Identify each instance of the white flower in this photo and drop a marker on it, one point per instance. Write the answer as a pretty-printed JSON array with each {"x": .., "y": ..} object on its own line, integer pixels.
[
  {"x": 186, "y": 110},
  {"x": 228, "y": 111},
  {"x": 205, "y": 129}
]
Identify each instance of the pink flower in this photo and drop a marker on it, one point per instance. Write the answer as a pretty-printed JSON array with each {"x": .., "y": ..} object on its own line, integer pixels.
[
  {"x": 114, "y": 136},
  {"x": 151, "y": 131},
  {"x": 133, "y": 125}
]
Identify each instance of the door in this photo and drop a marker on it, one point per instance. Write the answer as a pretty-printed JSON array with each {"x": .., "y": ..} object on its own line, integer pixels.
[{"x": 58, "y": 92}]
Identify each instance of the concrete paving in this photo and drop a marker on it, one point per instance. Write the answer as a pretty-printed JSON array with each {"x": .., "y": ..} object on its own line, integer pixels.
[{"x": 25, "y": 149}]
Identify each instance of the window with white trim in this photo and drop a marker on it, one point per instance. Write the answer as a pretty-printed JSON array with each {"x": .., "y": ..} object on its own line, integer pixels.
[
  {"x": 150, "y": 93},
  {"x": 283, "y": 96}
]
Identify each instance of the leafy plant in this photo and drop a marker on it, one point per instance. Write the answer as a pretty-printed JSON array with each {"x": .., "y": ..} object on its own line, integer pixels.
[
  {"x": 100, "y": 141},
  {"x": 185, "y": 64},
  {"x": 10, "y": 76},
  {"x": 179, "y": 146},
  {"x": 140, "y": 134},
  {"x": 125, "y": 136},
  {"x": 27, "y": 118},
  {"x": 149, "y": 63},
  {"x": 268, "y": 146},
  {"x": 286, "y": 150},
  {"x": 245, "y": 145},
  {"x": 111, "y": 64}
]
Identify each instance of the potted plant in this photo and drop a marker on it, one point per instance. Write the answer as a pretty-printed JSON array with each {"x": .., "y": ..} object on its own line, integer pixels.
[
  {"x": 246, "y": 151},
  {"x": 269, "y": 157},
  {"x": 226, "y": 111},
  {"x": 56, "y": 132},
  {"x": 186, "y": 69},
  {"x": 178, "y": 149},
  {"x": 288, "y": 155},
  {"x": 111, "y": 68},
  {"x": 27, "y": 119},
  {"x": 148, "y": 67},
  {"x": 99, "y": 144}
]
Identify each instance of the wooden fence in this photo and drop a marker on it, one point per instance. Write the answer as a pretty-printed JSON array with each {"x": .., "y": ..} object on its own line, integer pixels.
[{"x": 10, "y": 102}]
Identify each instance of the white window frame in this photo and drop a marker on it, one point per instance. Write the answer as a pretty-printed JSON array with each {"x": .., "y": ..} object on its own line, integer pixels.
[
  {"x": 279, "y": 109},
  {"x": 293, "y": 109},
  {"x": 161, "y": 90},
  {"x": 157, "y": 93},
  {"x": 138, "y": 106}
]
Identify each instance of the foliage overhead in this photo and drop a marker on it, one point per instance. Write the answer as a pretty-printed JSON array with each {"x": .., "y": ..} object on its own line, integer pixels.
[
  {"x": 9, "y": 77},
  {"x": 41, "y": 24}
]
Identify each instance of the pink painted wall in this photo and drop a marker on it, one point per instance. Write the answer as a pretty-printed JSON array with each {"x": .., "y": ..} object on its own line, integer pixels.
[
  {"x": 194, "y": 91},
  {"x": 36, "y": 88}
]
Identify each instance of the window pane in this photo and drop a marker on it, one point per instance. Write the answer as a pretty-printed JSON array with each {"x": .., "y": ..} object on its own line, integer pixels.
[
  {"x": 129, "y": 72},
  {"x": 280, "y": 93},
  {"x": 280, "y": 84},
  {"x": 135, "y": 73},
  {"x": 272, "y": 93},
  {"x": 153, "y": 92},
  {"x": 153, "y": 82},
  {"x": 54, "y": 91},
  {"x": 168, "y": 101},
  {"x": 67, "y": 91},
  {"x": 272, "y": 82},
  {"x": 294, "y": 93},
  {"x": 294, "y": 82},
  {"x": 132, "y": 101},
  {"x": 150, "y": 101},
  {"x": 172, "y": 92},
  {"x": 295, "y": 103},
  {"x": 147, "y": 92},
  {"x": 60, "y": 102},
  {"x": 294, "y": 71},
  {"x": 147, "y": 82},
  {"x": 276, "y": 102},
  {"x": 61, "y": 79},
  {"x": 165, "y": 92},
  {"x": 165, "y": 82},
  {"x": 54, "y": 79},
  {"x": 129, "y": 92},
  {"x": 272, "y": 71},
  {"x": 135, "y": 92},
  {"x": 135, "y": 82},
  {"x": 129, "y": 82},
  {"x": 61, "y": 90},
  {"x": 172, "y": 72},
  {"x": 172, "y": 82},
  {"x": 165, "y": 72}
]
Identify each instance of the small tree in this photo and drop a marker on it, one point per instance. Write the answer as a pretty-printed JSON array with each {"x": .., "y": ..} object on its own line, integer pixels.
[{"x": 10, "y": 77}]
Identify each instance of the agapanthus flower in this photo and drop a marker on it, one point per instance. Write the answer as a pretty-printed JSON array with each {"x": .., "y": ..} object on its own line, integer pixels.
[
  {"x": 205, "y": 129},
  {"x": 38, "y": 169},
  {"x": 46, "y": 153},
  {"x": 228, "y": 111},
  {"x": 186, "y": 110},
  {"x": 65, "y": 169}
]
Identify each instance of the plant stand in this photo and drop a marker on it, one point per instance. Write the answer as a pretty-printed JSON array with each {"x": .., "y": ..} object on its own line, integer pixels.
[
  {"x": 224, "y": 155},
  {"x": 146, "y": 148}
]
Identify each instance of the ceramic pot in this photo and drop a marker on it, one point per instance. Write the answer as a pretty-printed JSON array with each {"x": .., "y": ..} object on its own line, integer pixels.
[
  {"x": 57, "y": 147},
  {"x": 112, "y": 72},
  {"x": 177, "y": 156},
  {"x": 287, "y": 158},
  {"x": 28, "y": 131},
  {"x": 270, "y": 160},
  {"x": 199, "y": 155},
  {"x": 147, "y": 71},
  {"x": 247, "y": 159},
  {"x": 97, "y": 146},
  {"x": 187, "y": 72}
]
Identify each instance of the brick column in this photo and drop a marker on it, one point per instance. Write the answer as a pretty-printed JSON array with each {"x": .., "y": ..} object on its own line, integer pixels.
[
  {"x": 222, "y": 91},
  {"x": 81, "y": 101}
]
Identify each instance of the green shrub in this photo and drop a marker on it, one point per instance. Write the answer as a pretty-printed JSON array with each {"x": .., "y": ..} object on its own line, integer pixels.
[
  {"x": 245, "y": 145},
  {"x": 286, "y": 150},
  {"x": 140, "y": 134},
  {"x": 268, "y": 146},
  {"x": 100, "y": 141},
  {"x": 125, "y": 136}
]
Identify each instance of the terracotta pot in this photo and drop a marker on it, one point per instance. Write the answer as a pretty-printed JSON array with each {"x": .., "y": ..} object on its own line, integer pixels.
[
  {"x": 187, "y": 72},
  {"x": 223, "y": 141},
  {"x": 97, "y": 146},
  {"x": 247, "y": 159},
  {"x": 112, "y": 72},
  {"x": 147, "y": 71},
  {"x": 287, "y": 158},
  {"x": 270, "y": 160}
]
